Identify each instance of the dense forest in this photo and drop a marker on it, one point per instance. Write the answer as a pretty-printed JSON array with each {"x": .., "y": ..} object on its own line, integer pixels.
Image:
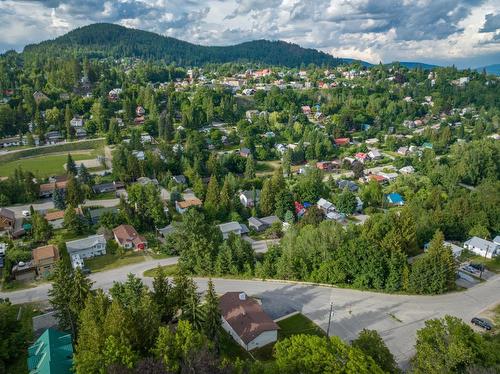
[{"x": 109, "y": 40}]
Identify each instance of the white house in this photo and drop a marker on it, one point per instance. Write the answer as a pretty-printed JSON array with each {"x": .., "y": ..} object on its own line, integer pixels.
[
  {"x": 482, "y": 247},
  {"x": 91, "y": 246},
  {"x": 245, "y": 320},
  {"x": 375, "y": 154},
  {"x": 249, "y": 198},
  {"x": 325, "y": 205}
]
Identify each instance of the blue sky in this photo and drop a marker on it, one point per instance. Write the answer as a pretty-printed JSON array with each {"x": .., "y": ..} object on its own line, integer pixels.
[{"x": 461, "y": 32}]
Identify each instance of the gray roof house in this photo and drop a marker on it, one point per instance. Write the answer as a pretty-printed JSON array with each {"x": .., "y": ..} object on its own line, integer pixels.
[
  {"x": 261, "y": 224},
  {"x": 342, "y": 183},
  {"x": 180, "y": 179},
  {"x": 482, "y": 247},
  {"x": 232, "y": 227},
  {"x": 91, "y": 246}
]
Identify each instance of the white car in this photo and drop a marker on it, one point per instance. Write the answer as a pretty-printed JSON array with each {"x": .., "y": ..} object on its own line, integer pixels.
[{"x": 26, "y": 213}]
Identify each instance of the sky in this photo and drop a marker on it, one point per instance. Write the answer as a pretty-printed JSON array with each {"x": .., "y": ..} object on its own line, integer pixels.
[{"x": 461, "y": 32}]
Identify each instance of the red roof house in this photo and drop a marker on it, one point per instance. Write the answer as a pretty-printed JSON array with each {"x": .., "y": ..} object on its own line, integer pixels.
[
  {"x": 127, "y": 237},
  {"x": 342, "y": 141}
]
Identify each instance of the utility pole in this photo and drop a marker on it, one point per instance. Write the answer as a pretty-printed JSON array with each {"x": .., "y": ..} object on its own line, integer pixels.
[{"x": 329, "y": 320}]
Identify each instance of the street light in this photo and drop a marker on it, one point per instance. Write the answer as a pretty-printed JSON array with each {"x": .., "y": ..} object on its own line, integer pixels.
[{"x": 329, "y": 320}]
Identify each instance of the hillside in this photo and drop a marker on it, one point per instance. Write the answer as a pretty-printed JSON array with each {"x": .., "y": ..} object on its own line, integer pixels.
[
  {"x": 109, "y": 40},
  {"x": 490, "y": 69}
]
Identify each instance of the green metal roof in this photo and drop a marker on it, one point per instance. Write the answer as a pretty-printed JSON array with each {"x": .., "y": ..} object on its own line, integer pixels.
[{"x": 51, "y": 354}]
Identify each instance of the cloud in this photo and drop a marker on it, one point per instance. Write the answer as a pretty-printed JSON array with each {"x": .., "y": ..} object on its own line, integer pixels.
[
  {"x": 368, "y": 29},
  {"x": 491, "y": 23}
]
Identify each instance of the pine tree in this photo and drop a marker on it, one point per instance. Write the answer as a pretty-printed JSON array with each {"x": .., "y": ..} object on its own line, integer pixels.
[
  {"x": 287, "y": 163},
  {"x": 212, "y": 323},
  {"x": 84, "y": 175},
  {"x": 41, "y": 230},
  {"x": 250, "y": 168},
  {"x": 163, "y": 295},
  {"x": 225, "y": 198},
  {"x": 74, "y": 195},
  {"x": 72, "y": 222},
  {"x": 58, "y": 199},
  {"x": 71, "y": 166},
  {"x": 67, "y": 123},
  {"x": 212, "y": 197},
  {"x": 267, "y": 198}
]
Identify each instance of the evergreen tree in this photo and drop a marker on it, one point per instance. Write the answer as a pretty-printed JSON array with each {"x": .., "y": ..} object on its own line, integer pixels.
[
  {"x": 267, "y": 204},
  {"x": 72, "y": 221},
  {"x": 70, "y": 132},
  {"x": 84, "y": 176},
  {"x": 250, "y": 168},
  {"x": 212, "y": 323},
  {"x": 41, "y": 229},
  {"x": 58, "y": 199},
  {"x": 287, "y": 163},
  {"x": 225, "y": 200},
  {"x": 212, "y": 197},
  {"x": 71, "y": 166},
  {"x": 346, "y": 202},
  {"x": 74, "y": 195},
  {"x": 163, "y": 295},
  {"x": 370, "y": 342}
]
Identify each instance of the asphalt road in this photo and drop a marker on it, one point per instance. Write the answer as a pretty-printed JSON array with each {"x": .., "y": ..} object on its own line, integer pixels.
[
  {"x": 395, "y": 317},
  {"x": 47, "y": 204}
]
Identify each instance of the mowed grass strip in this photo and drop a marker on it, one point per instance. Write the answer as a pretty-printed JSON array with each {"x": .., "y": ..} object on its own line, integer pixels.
[
  {"x": 44, "y": 165},
  {"x": 109, "y": 261}
]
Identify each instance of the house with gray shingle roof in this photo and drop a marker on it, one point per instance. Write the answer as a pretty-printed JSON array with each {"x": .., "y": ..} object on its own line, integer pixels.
[
  {"x": 91, "y": 246},
  {"x": 482, "y": 247}
]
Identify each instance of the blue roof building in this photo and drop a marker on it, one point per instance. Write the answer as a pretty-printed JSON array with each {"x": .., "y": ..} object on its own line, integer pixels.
[
  {"x": 395, "y": 199},
  {"x": 52, "y": 353}
]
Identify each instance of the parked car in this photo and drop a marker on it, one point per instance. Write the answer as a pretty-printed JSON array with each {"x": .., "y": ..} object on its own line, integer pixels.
[
  {"x": 26, "y": 213},
  {"x": 481, "y": 323},
  {"x": 478, "y": 267}
]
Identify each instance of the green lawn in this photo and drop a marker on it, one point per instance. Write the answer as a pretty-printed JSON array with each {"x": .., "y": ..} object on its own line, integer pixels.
[
  {"x": 105, "y": 196},
  {"x": 297, "y": 324},
  {"x": 170, "y": 270},
  {"x": 44, "y": 165},
  {"x": 110, "y": 261}
]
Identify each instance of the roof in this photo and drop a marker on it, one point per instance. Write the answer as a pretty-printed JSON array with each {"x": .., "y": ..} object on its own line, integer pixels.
[
  {"x": 167, "y": 230},
  {"x": 395, "y": 198},
  {"x": 496, "y": 240},
  {"x": 179, "y": 179},
  {"x": 127, "y": 233},
  {"x": 230, "y": 227},
  {"x": 342, "y": 141},
  {"x": 7, "y": 213},
  {"x": 481, "y": 243},
  {"x": 250, "y": 193},
  {"x": 377, "y": 178},
  {"x": 270, "y": 219},
  {"x": 188, "y": 203},
  {"x": 245, "y": 317},
  {"x": 85, "y": 243},
  {"x": 52, "y": 216},
  {"x": 97, "y": 213},
  {"x": 325, "y": 204},
  {"x": 51, "y": 353},
  {"x": 342, "y": 183},
  {"x": 45, "y": 252}
]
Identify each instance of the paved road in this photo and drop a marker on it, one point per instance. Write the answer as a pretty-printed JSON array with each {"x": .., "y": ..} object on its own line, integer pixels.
[
  {"x": 47, "y": 204},
  {"x": 395, "y": 317}
]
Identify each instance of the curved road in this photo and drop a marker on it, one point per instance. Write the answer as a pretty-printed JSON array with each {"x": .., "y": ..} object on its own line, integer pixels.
[{"x": 395, "y": 317}]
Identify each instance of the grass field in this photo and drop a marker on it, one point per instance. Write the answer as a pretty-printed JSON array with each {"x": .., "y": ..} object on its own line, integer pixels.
[
  {"x": 170, "y": 270},
  {"x": 110, "y": 261},
  {"x": 44, "y": 165}
]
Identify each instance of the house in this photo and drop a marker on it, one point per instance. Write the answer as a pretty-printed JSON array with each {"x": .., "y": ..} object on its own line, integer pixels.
[
  {"x": 56, "y": 218},
  {"x": 375, "y": 154},
  {"x": 482, "y": 247},
  {"x": 350, "y": 185},
  {"x": 179, "y": 179},
  {"x": 183, "y": 206},
  {"x": 245, "y": 152},
  {"x": 127, "y": 237},
  {"x": 24, "y": 271},
  {"x": 140, "y": 155},
  {"x": 39, "y": 97},
  {"x": 139, "y": 120},
  {"x": 107, "y": 187},
  {"x": 341, "y": 141},
  {"x": 388, "y": 176},
  {"x": 377, "y": 178},
  {"x": 7, "y": 219},
  {"x": 47, "y": 189},
  {"x": 325, "y": 205},
  {"x": 45, "y": 259},
  {"x": 395, "y": 199},
  {"x": 114, "y": 94},
  {"x": 166, "y": 231},
  {"x": 324, "y": 165},
  {"x": 361, "y": 157},
  {"x": 261, "y": 224},
  {"x": 403, "y": 151},
  {"x": 91, "y": 246},
  {"x": 140, "y": 111},
  {"x": 249, "y": 198},
  {"x": 232, "y": 227},
  {"x": 52, "y": 353},
  {"x": 76, "y": 122},
  {"x": 96, "y": 214},
  {"x": 335, "y": 216},
  {"x": 245, "y": 320},
  {"x": 407, "y": 170}
]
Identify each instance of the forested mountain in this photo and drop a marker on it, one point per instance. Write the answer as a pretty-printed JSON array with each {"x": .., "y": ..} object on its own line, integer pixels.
[
  {"x": 490, "y": 69},
  {"x": 102, "y": 40}
]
